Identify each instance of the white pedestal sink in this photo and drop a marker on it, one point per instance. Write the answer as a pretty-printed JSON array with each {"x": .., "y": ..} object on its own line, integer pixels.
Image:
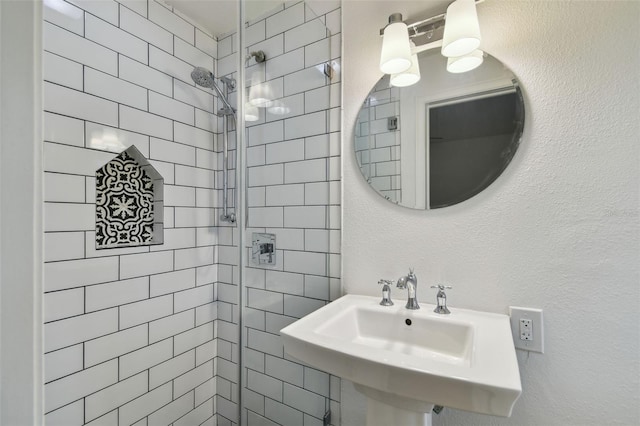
[{"x": 410, "y": 360}]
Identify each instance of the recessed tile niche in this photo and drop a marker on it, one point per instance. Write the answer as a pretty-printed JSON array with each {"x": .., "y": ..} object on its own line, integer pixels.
[{"x": 129, "y": 202}]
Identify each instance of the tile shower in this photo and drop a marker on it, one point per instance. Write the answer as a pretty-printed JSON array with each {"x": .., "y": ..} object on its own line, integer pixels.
[{"x": 149, "y": 335}]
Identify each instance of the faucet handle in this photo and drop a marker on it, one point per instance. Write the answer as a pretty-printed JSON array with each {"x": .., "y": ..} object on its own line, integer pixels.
[
  {"x": 382, "y": 281},
  {"x": 441, "y": 298},
  {"x": 386, "y": 292},
  {"x": 442, "y": 287}
]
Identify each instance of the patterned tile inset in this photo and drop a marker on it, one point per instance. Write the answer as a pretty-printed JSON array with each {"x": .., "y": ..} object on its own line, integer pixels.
[{"x": 127, "y": 190}]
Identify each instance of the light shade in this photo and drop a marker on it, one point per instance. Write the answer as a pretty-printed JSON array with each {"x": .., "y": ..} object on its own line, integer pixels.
[
  {"x": 395, "y": 56},
  {"x": 410, "y": 76},
  {"x": 461, "y": 30},
  {"x": 465, "y": 63}
]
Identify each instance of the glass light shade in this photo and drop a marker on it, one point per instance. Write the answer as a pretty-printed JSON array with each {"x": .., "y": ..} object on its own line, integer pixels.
[
  {"x": 395, "y": 56},
  {"x": 260, "y": 94},
  {"x": 410, "y": 76},
  {"x": 251, "y": 112},
  {"x": 279, "y": 108},
  {"x": 461, "y": 29},
  {"x": 465, "y": 63}
]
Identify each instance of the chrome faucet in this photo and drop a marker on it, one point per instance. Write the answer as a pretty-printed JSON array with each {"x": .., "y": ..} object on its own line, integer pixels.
[
  {"x": 410, "y": 282},
  {"x": 441, "y": 297}
]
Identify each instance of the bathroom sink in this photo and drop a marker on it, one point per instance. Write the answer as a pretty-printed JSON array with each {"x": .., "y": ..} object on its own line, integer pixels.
[{"x": 412, "y": 358}]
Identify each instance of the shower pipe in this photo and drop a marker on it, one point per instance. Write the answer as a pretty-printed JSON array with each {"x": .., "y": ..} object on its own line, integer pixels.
[{"x": 205, "y": 78}]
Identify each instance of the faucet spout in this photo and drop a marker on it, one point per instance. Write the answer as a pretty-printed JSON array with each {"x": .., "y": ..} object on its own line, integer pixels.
[{"x": 410, "y": 282}]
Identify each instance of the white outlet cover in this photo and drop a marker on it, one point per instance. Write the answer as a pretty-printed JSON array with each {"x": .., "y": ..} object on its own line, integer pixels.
[{"x": 537, "y": 329}]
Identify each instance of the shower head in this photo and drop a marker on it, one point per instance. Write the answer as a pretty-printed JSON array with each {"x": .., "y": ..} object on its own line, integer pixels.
[{"x": 203, "y": 77}]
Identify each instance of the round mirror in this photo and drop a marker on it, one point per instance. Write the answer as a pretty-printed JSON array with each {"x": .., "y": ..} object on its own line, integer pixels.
[{"x": 442, "y": 140}]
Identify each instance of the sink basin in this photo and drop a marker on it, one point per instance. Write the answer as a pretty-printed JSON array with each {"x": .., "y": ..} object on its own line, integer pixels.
[{"x": 464, "y": 360}]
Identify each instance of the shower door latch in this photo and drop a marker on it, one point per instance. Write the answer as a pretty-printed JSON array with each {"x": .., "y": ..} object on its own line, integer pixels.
[{"x": 263, "y": 250}]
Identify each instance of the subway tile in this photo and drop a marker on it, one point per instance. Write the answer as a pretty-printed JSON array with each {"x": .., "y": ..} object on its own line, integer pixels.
[
  {"x": 135, "y": 265},
  {"x": 303, "y": 80},
  {"x": 192, "y": 55},
  {"x": 64, "y": 130},
  {"x": 317, "y": 8},
  {"x": 272, "y": 47},
  {"x": 67, "y": 332},
  {"x": 206, "y": 351},
  {"x": 193, "y": 136},
  {"x": 144, "y": 405},
  {"x": 114, "y": 140},
  {"x": 265, "y": 342},
  {"x": 146, "y": 30},
  {"x": 264, "y": 217},
  {"x": 316, "y": 240},
  {"x": 63, "y": 304},
  {"x": 114, "y": 345},
  {"x": 190, "y": 217},
  {"x": 114, "y": 38},
  {"x": 172, "y": 22},
  {"x": 317, "y": 193},
  {"x": 282, "y": 152},
  {"x": 138, "y": 6},
  {"x": 206, "y": 274},
  {"x": 305, "y": 171},
  {"x": 286, "y": 107},
  {"x": 206, "y": 313},
  {"x": 298, "y": 307},
  {"x": 64, "y": 15},
  {"x": 143, "y": 122},
  {"x": 195, "y": 96},
  {"x": 316, "y": 381},
  {"x": 69, "y": 415},
  {"x": 264, "y": 385},
  {"x": 179, "y": 196},
  {"x": 205, "y": 391},
  {"x": 63, "y": 362},
  {"x": 106, "y": 9},
  {"x": 77, "y": 273},
  {"x": 173, "y": 411},
  {"x": 305, "y": 34},
  {"x": 145, "y": 76},
  {"x": 92, "y": 251},
  {"x": 266, "y": 175},
  {"x": 256, "y": 156},
  {"x": 225, "y": 408},
  {"x": 284, "y": 64},
  {"x": 305, "y": 217},
  {"x": 112, "y": 88},
  {"x": 285, "y": 282},
  {"x": 171, "y": 282},
  {"x": 227, "y": 370},
  {"x": 317, "y": 99},
  {"x": 167, "y": 171},
  {"x": 317, "y": 53},
  {"x": 285, "y": 20},
  {"x": 68, "y": 217},
  {"x": 70, "y": 102},
  {"x": 227, "y": 331},
  {"x": 255, "y": 419},
  {"x": 145, "y": 358},
  {"x": 193, "y": 257},
  {"x": 284, "y": 370},
  {"x": 170, "y": 326},
  {"x": 170, "y": 65},
  {"x": 255, "y": 33},
  {"x": 264, "y": 300},
  {"x": 63, "y": 188},
  {"x": 193, "y": 378},
  {"x": 197, "y": 416},
  {"x": 62, "y": 71},
  {"x": 171, "y": 369},
  {"x": 284, "y": 195},
  {"x": 188, "y": 299},
  {"x": 308, "y": 402},
  {"x": 145, "y": 311},
  {"x": 206, "y": 43},
  {"x": 76, "y": 386},
  {"x": 275, "y": 322},
  {"x": 164, "y": 150},
  {"x": 256, "y": 197},
  {"x": 281, "y": 413},
  {"x": 170, "y": 108},
  {"x": 288, "y": 239},
  {"x": 305, "y": 125},
  {"x": 71, "y": 46},
  {"x": 316, "y": 287},
  {"x": 265, "y": 133},
  {"x": 305, "y": 262},
  {"x": 192, "y": 176},
  {"x": 207, "y": 159},
  {"x": 112, "y": 397},
  {"x": 206, "y": 236}
]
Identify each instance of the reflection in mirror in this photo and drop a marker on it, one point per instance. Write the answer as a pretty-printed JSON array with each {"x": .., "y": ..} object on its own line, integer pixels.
[{"x": 441, "y": 141}]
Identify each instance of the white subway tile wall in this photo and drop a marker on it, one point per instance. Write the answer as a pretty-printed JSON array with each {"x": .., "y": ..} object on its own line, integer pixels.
[
  {"x": 293, "y": 192},
  {"x": 149, "y": 335},
  {"x": 129, "y": 333}
]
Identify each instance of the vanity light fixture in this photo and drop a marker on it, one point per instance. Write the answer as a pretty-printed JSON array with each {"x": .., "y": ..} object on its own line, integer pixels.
[{"x": 459, "y": 42}]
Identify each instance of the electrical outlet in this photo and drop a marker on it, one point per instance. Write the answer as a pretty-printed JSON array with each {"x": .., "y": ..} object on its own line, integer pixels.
[{"x": 527, "y": 328}]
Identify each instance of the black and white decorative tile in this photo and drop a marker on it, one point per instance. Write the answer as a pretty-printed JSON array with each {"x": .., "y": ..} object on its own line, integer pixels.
[{"x": 128, "y": 202}]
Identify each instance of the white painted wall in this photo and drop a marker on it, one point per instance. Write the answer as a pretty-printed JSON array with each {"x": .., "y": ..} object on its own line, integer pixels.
[{"x": 559, "y": 230}]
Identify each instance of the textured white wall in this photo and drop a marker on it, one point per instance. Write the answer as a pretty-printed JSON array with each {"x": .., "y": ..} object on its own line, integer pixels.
[{"x": 559, "y": 230}]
